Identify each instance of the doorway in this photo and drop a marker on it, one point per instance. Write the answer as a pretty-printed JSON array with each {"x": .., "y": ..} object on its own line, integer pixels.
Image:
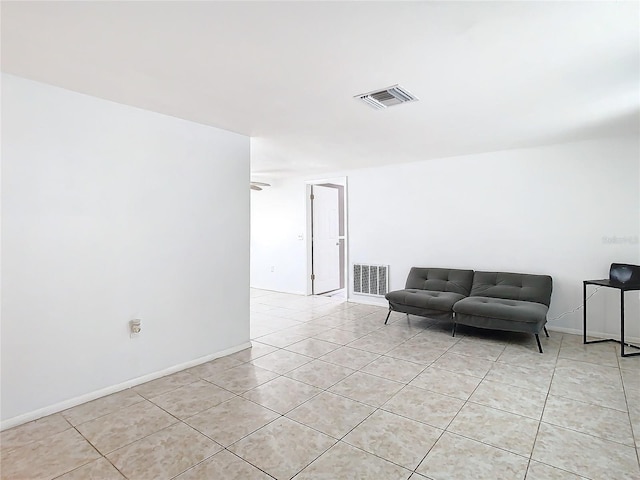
[{"x": 327, "y": 240}]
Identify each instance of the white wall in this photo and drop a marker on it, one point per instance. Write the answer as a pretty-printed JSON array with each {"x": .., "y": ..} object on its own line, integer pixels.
[
  {"x": 551, "y": 210},
  {"x": 111, "y": 213},
  {"x": 278, "y": 216}
]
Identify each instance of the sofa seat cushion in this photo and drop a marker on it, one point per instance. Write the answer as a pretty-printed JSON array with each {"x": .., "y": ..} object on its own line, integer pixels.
[
  {"x": 424, "y": 299},
  {"x": 502, "y": 309}
]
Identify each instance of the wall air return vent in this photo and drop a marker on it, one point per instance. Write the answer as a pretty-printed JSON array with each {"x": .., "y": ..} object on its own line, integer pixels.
[
  {"x": 370, "y": 279},
  {"x": 387, "y": 97}
]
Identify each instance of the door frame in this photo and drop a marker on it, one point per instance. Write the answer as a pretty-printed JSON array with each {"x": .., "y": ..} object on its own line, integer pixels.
[{"x": 342, "y": 181}]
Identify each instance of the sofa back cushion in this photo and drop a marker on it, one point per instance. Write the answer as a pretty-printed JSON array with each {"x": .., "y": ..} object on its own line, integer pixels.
[
  {"x": 513, "y": 286},
  {"x": 440, "y": 280}
]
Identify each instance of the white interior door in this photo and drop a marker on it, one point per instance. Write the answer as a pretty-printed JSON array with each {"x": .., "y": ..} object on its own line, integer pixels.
[{"x": 325, "y": 205}]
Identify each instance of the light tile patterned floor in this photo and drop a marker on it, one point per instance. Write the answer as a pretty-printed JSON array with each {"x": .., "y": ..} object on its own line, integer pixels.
[{"x": 329, "y": 392}]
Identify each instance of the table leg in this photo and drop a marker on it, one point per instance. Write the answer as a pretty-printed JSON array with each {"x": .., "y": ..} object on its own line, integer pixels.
[
  {"x": 622, "y": 322},
  {"x": 584, "y": 312}
]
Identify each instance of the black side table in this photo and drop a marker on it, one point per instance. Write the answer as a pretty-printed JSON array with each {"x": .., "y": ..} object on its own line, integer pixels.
[{"x": 623, "y": 288}]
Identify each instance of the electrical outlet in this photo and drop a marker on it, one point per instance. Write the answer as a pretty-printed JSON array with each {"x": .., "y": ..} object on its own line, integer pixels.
[
  {"x": 135, "y": 327},
  {"x": 273, "y": 269}
]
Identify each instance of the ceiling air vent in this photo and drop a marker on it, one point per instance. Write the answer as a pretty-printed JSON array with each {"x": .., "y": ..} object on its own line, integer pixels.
[{"x": 387, "y": 97}]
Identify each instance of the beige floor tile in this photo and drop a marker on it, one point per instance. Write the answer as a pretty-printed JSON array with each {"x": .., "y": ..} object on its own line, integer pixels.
[
  {"x": 100, "y": 469},
  {"x": 341, "y": 337},
  {"x": 165, "y": 384},
  {"x": 597, "y": 391},
  {"x": 350, "y": 357},
  {"x": 462, "y": 364},
  {"x": 583, "y": 417},
  {"x": 313, "y": 347},
  {"x": 424, "y": 406},
  {"x": 281, "y": 361},
  {"x": 282, "y": 394},
  {"x": 282, "y": 448},
  {"x": 519, "y": 355},
  {"x": 320, "y": 374},
  {"x": 585, "y": 455},
  {"x": 422, "y": 354},
  {"x": 599, "y": 353},
  {"x": 597, "y": 384},
  {"x": 281, "y": 339},
  {"x": 110, "y": 432},
  {"x": 101, "y": 406},
  {"x": 33, "y": 431},
  {"x": 511, "y": 399},
  {"x": 164, "y": 454},
  {"x": 403, "y": 331},
  {"x": 346, "y": 462},
  {"x": 256, "y": 350},
  {"x": 629, "y": 363},
  {"x": 304, "y": 316},
  {"x": 521, "y": 376},
  {"x": 287, "y": 314},
  {"x": 232, "y": 420},
  {"x": 394, "y": 369},
  {"x": 477, "y": 348},
  {"x": 186, "y": 401},
  {"x": 307, "y": 329},
  {"x": 413, "y": 324},
  {"x": 496, "y": 427},
  {"x": 433, "y": 338},
  {"x": 224, "y": 466},
  {"x": 394, "y": 438},
  {"x": 376, "y": 343},
  {"x": 634, "y": 416},
  {"x": 367, "y": 388},
  {"x": 240, "y": 379},
  {"x": 586, "y": 371},
  {"x": 363, "y": 325},
  {"x": 48, "y": 458},
  {"x": 540, "y": 471},
  {"x": 631, "y": 379},
  {"x": 330, "y": 320},
  {"x": 455, "y": 457},
  {"x": 257, "y": 331},
  {"x": 331, "y": 414},
  {"x": 446, "y": 382},
  {"x": 351, "y": 314},
  {"x": 214, "y": 366}
]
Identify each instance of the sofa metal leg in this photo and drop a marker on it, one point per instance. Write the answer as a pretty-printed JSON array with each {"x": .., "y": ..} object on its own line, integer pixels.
[
  {"x": 387, "y": 319},
  {"x": 453, "y": 333},
  {"x": 538, "y": 340},
  {"x": 545, "y": 331}
]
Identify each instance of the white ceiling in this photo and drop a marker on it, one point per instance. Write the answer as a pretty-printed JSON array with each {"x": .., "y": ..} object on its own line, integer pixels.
[{"x": 489, "y": 75}]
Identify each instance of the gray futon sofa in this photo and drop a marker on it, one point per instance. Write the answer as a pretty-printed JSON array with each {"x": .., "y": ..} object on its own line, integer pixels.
[
  {"x": 516, "y": 302},
  {"x": 431, "y": 292}
]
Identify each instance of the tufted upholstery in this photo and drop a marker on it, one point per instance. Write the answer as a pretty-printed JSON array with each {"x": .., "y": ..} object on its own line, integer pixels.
[
  {"x": 506, "y": 301},
  {"x": 440, "y": 280},
  {"x": 431, "y": 292},
  {"x": 512, "y": 286}
]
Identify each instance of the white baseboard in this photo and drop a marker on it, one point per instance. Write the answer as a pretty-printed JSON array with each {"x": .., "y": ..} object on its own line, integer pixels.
[
  {"x": 87, "y": 397},
  {"x": 578, "y": 331}
]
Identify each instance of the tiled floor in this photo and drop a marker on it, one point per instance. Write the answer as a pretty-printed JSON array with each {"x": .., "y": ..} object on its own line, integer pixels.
[{"x": 330, "y": 392}]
